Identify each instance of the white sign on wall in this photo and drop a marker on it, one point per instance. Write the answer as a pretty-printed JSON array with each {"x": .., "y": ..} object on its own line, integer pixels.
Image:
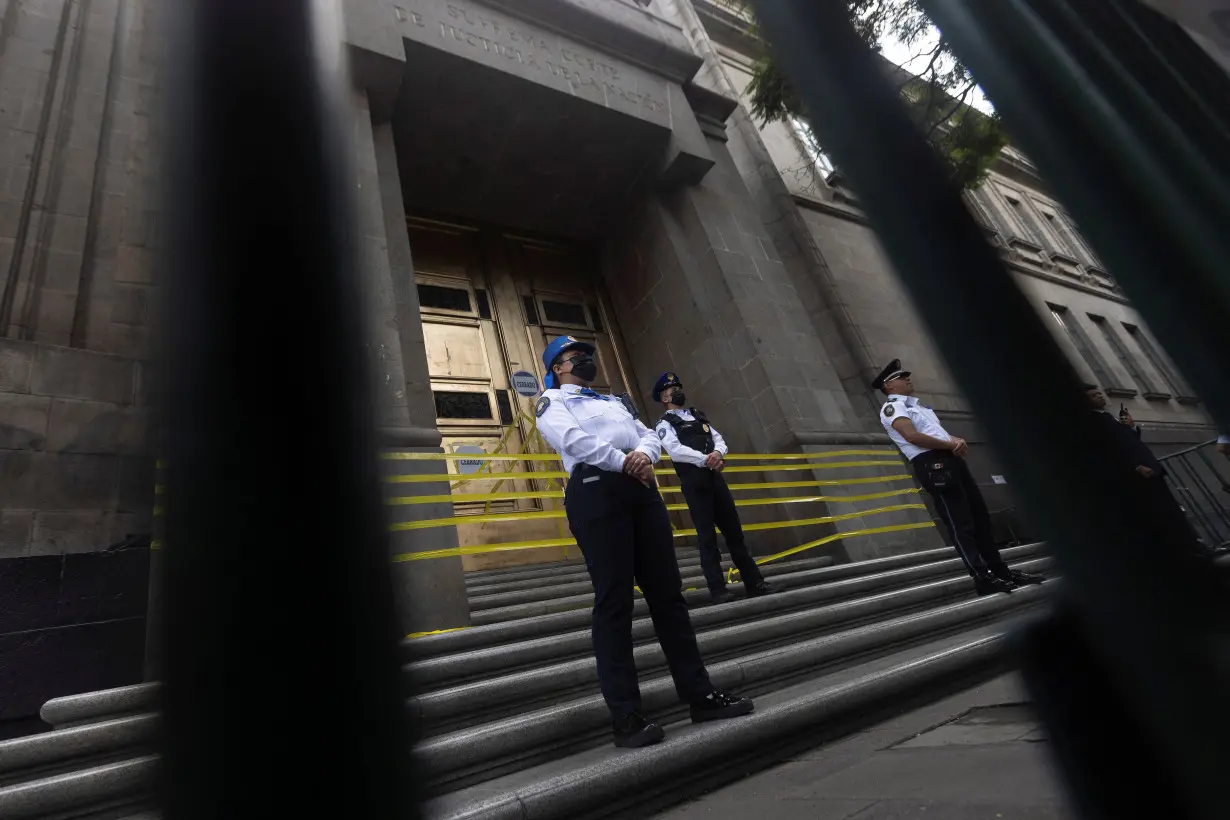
[
  {"x": 525, "y": 383},
  {"x": 465, "y": 466},
  {"x": 999, "y": 479}
]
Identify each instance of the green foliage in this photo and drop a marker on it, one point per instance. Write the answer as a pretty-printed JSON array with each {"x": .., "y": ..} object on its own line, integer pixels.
[{"x": 937, "y": 98}]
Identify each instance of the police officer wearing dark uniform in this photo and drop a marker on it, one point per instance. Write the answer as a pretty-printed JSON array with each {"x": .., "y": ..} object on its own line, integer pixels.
[
  {"x": 939, "y": 465},
  {"x": 1125, "y": 436},
  {"x": 698, "y": 454},
  {"x": 621, "y": 525}
]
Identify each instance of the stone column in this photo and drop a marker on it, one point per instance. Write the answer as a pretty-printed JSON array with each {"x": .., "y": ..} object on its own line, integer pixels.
[
  {"x": 699, "y": 287},
  {"x": 430, "y": 592}
]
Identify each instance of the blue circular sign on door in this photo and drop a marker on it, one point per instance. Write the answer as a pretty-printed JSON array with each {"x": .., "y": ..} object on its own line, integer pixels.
[{"x": 525, "y": 383}]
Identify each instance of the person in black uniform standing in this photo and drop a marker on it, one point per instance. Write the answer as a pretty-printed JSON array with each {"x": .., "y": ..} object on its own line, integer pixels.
[
  {"x": 938, "y": 459},
  {"x": 698, "y": 455},
  {"x": 1126, "y": 437},
  {"x": 621, "y": 525}
]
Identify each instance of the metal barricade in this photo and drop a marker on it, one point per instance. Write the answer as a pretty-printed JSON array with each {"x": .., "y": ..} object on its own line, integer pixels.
[{"x": 1200, "y": 480}]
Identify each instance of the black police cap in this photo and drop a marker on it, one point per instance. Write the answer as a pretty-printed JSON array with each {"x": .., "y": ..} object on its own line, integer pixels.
[{"x": 893, "y": 371}]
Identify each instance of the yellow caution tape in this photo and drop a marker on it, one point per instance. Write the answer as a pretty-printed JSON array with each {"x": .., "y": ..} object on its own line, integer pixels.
[
  {"x": 808, "y": 499},
  {"x": 533, "y": 474},
  {"x": 462, "y": 498},
  {"x": 555, "y": 457},
  {"x": 825, "y": 482},
  {"x": 414, "y": 635},
  {"x": 837, "y": 536},
  {"x": 485, "y": 518},
  {"x": 459, "y": 498},
  {"x": 808, "y": 522},
  {"x": 771, "y": 468},
  {"x": 536, "y": 515},
  {"x": 806, "y": 456},
  {"x": 509, "y": 546},
  {"x": 155, "y": 545},
  {"x": 479, "y": 549},
  {"x": 469, "y": 457},
  {"x": 503, "y": 475}
]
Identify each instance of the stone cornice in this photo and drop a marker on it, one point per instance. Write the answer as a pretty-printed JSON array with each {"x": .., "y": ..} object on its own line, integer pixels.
[{"x": 617, "y": 27}]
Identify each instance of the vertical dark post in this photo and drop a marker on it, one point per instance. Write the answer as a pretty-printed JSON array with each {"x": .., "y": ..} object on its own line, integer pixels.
[{"x": 280, "y": 640}]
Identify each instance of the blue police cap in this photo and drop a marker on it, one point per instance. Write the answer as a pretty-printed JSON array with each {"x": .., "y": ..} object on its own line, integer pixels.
[
  {"x": 664, "y": 381},
  {"x": 558, "y": 346}
]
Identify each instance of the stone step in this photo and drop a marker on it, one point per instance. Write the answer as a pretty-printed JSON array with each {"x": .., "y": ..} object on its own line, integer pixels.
[
  {"x": 603, "y": 781},
  {"x": 537, "y": 624},
  {"x": 551, "y": 710},
  {"x": 692, "y": 579},
  {"x": 511, "y": 741},
  {"x": 685, "y": 558},
  {"x": 830, "y": 583},
  {"x": 694, "y": 597},
  {"x": 575, "y": 572},
  {"x": 527, "y": 570},
  {"x": 493, "y": 749},
  {"x": 116, "y": 785},
  {"x": 465, "y": 665}
]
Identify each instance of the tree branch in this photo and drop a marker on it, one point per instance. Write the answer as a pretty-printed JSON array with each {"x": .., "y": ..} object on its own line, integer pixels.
[{"x": 956, "y": 106}]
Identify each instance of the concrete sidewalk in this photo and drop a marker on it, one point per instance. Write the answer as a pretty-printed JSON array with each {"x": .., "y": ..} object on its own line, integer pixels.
[{"x": 978, "y": 755}]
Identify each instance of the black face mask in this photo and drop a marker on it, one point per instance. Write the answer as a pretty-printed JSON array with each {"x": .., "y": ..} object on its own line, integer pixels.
[
  {"x": 585, "y": 368},
  {"x": 678, "y": 398}
]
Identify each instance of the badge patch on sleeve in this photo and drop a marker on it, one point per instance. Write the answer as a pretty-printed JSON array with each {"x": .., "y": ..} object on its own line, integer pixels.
[
  {"x": 662, "y": 434},
  {"x": 888, "y": 412},
  {"x": 542, "y": 406}
]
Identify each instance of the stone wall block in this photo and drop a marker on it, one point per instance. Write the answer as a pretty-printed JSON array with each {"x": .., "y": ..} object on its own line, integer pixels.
[
  {"x": 15, "y": 529},
  {"x": 16, "y": 365},
  {"x": 96, "y": 427},
  {"x": 57, "y": 532},
  {"x": 23, "y": 421},
  {"x": 81, "y": 374}
]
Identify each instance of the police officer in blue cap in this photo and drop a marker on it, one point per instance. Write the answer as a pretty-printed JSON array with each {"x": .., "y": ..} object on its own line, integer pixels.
[
  {"x": 698, "y": 454},
  {"x": 621, "y": 525}
]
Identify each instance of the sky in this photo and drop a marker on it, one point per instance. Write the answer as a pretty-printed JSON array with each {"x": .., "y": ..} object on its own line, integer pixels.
[{"x": 909, "y": 58}]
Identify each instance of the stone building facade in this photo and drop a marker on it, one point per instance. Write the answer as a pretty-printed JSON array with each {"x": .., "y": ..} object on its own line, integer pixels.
[{"x": 524, "y": 169}]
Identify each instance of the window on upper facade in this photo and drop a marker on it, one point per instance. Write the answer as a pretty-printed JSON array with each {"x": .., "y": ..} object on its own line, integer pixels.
[
  {"x": 1178, "y": 387},
  {"x": 1133, "y": 368},
  {"x": 805, "y": 136},
  {"x": 1076, "y": 334}
]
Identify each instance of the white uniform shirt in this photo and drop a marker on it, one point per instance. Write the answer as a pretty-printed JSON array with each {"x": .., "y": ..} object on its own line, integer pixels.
[
  {"x": 680, "y": 452},
  {"x": 592, "y": 429},
  {"x": 923, "y": 418}
]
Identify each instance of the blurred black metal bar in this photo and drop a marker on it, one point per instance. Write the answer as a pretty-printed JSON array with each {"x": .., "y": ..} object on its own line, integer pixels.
[
  {"x": 1143, "y": 624},
  {"x": 281, "y": 669}
]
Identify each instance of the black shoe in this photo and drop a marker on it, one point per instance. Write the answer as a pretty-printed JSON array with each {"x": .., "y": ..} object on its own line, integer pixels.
[
  {"x": 762, "y": 588},
  {"x": 633, "y": 731},
  {"x": 719, "y": 705},
  {"x": 722, "y": 596},
  {"x": 1022, "y": 579},
  {"x": 989, "y": 585}
]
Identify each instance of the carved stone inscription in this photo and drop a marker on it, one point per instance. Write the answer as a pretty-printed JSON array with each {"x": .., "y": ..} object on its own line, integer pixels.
[{"x": 474, "y": 32}]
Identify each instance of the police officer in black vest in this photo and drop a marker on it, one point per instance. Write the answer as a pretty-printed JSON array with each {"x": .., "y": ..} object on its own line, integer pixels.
[
  {"x": 621, "y": 525},
  {"x": 698, "y": 454}
]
